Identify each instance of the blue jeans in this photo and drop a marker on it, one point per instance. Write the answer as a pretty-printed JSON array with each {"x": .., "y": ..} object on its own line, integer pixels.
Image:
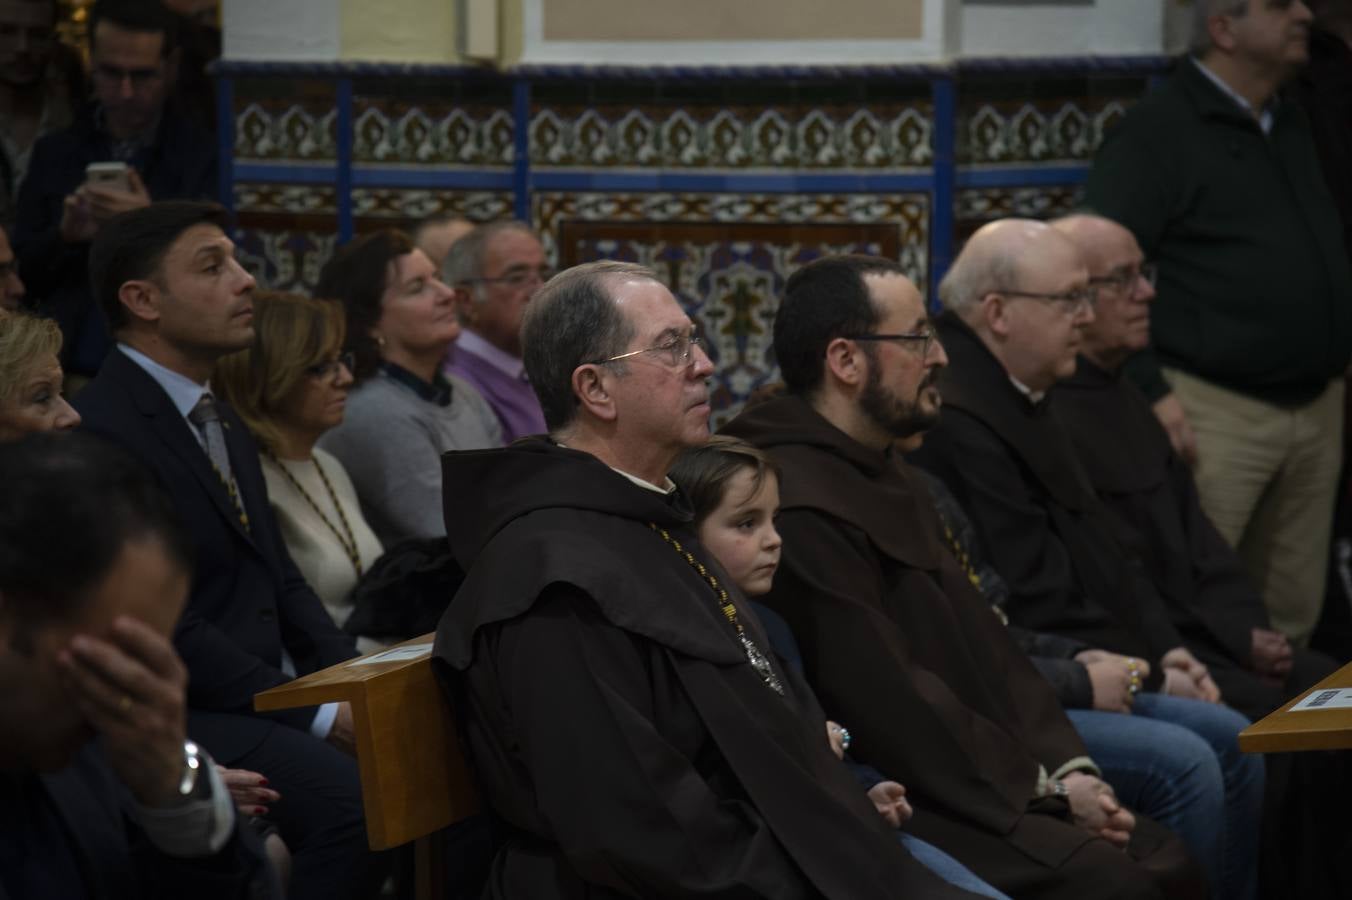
[
  {"x": 947, "y": 868},
  {"x": 1178, "y": 761}
]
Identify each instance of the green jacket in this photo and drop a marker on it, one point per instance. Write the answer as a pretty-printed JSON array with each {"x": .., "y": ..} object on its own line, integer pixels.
[{"x": 1255, "y": 290}]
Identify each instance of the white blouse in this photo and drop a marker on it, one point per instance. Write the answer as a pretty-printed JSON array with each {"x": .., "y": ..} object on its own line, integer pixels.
[{"x": 312, "y": 541}]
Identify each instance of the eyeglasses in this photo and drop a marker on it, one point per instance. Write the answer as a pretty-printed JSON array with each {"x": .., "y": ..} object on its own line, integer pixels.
[
  {"x": 1124, "y": 279},
  {"x": 516, "y": 278},
  {"x": 924, "y": 338},
  {"x": 679, "y": 351},
  {"x": 139, "y": 77},
  {"x": 324, "y": 370},
  {"x": 1070, "y": 302}
]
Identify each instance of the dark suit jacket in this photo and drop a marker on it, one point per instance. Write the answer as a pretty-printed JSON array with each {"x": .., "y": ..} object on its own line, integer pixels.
[
  {"x": 116, "y": 861},
  {"x": 248, "y": 600}
]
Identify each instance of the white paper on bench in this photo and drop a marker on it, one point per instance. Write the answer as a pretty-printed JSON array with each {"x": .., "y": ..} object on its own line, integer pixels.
[
  {"x": 1333, "y": 698},
  {"x": 398, "y": 654}
]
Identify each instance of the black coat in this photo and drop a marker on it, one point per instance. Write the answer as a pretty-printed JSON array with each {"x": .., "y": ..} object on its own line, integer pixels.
[
  {"x": 611, "y": 716},
  {"x": 248, "y": 600}
]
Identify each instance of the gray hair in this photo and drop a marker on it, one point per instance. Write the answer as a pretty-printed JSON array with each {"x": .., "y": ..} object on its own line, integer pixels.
[
  {"x": 974, "y": 274},
  {"x": 573, "y": 320},
  {"x": 1199, "y": 42},
  {"x": 465, "y": 260}
]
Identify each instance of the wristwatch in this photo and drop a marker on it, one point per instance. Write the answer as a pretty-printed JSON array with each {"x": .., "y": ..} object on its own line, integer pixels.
[
  {"x": 193, "y": 781},
  {"x": 1057, "y": 788}
]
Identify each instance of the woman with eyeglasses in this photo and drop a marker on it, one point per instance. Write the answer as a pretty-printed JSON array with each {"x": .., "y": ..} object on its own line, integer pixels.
[
  {"x": 405, "y": 413},
  {"x": 290, "y": 387}
]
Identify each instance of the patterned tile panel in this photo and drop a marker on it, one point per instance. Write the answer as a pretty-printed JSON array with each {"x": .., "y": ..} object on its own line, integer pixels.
[
  {"x": 908, "y": 214},
  {"x": 977, "y": 206},
  {"x": 828, "y": 137},
  {"x": 1035, "y": 130},
  {"x": 285, "y": 260},
  {"x": 394, "y": 130},
  {"x": 281, "y": 119}
]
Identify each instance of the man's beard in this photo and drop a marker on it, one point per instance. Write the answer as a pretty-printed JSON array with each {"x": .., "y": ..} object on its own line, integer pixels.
[{"x": 892, "y": 414}]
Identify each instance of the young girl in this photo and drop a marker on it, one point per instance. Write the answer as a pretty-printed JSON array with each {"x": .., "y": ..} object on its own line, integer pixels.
[{"x": 734, "y": 489}]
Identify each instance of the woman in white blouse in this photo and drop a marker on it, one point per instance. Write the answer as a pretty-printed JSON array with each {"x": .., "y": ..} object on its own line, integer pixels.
[{"x": 290, "y": 387}]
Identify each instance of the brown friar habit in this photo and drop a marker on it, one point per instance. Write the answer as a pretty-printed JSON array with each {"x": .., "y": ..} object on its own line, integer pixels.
[
  {"x": 1014, "y": 470},
  {"x": 903, "y": 650},
  {"x": 612, "y": 718},
  {"x": 1137, "y": 475}
]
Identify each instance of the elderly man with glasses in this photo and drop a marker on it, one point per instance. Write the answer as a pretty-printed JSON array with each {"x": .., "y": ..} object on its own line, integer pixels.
[
  {"x": 1135, "y": 471},
  {"x": 495, "y": 270}
]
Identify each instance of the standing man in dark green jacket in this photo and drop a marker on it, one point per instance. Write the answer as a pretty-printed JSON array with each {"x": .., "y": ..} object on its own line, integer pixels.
[{"x": 1218, "y": 179}]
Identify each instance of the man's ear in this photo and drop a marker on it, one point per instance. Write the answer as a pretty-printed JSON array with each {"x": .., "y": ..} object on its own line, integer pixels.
[
  {"x": 1219, "y": 28},
  {"x": 141, "y": 299},
  {"x": 465, "y": 307},
  {"x": 995, "y": 314},
  {"x": 845, "y": 362},
  {"x": 589, "y": 386}
]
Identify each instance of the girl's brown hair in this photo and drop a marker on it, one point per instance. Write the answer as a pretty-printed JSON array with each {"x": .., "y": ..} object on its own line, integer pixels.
[{"x": 702, "y": 473}]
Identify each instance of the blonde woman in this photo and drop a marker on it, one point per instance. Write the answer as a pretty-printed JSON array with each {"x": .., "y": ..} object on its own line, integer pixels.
[
  {"x": 31, "y": 378},
  {"x": 290, "y": 387}
]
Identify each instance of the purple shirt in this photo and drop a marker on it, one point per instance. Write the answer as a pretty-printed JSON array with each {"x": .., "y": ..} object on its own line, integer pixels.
[{"x": 501, "y": 378}]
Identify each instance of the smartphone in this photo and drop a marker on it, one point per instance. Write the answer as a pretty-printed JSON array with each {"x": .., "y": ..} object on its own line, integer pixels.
[{"x": 107, "y": 175}]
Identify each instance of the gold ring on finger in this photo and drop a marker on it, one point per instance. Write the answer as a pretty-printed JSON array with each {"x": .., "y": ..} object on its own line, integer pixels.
[{"x": 124, "y": 705}]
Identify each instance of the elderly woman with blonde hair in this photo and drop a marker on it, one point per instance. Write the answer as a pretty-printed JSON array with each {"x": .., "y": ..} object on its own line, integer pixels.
[
  {"x": 290, "y": 387},
  {"x": 30, "y": 377}
]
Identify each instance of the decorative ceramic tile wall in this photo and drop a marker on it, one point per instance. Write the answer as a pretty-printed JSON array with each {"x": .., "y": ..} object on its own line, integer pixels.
[{"x": 725, "y": 183}]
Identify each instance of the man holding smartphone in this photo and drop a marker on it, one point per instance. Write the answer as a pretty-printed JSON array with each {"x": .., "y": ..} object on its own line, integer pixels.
[{"x": 130, "y": 146}]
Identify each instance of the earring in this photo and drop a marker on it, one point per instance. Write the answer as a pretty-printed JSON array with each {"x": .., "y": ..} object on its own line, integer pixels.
[{"x": 380, "y": 341}]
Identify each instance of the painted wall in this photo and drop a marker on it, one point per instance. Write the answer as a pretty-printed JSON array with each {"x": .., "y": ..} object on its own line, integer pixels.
[
  {"x": 698, "y": 32},
  {"x": 1069, "y": 28},
  {"x": 326, "y": 30},
  {"x": 719, "y": 20},
  {"x": 422, "y": 31},
  {"x": 294, "y": 30}
]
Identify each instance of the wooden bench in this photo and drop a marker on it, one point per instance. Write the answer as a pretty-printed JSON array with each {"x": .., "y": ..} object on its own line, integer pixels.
[
  {"x": 413, "y": 777},
  {"x": 1287, "y": 729}
]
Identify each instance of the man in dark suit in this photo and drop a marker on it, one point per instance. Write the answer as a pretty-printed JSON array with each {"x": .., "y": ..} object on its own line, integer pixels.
[
  {"x": 93, "y": 572},
  {"x": 176, "y": 300}
]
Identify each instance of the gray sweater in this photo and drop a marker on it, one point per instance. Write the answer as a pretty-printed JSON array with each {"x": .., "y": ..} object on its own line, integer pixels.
[{"x": 391, "y": 442}]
